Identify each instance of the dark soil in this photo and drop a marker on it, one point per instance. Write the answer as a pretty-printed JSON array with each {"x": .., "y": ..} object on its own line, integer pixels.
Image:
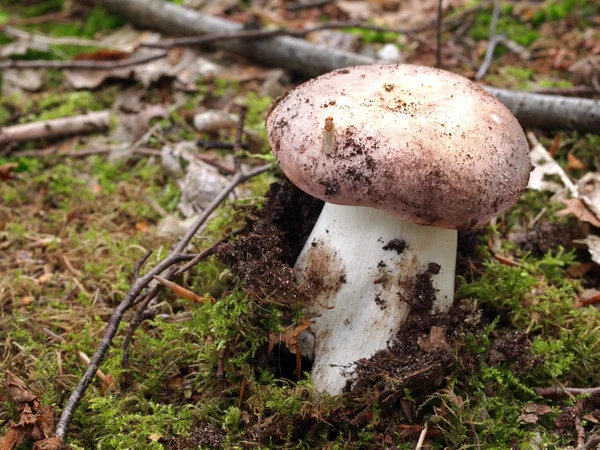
[
  {"x": 424, "y": 292},
  {"x": 207, "y": 436},
  {"x": 264, "y": 253},
  {"x": 423, "y": 354},
  {"x": 397, "y": 245},
  {"x": 546, "y": 236},
  {"x": 513, "y": 348}
]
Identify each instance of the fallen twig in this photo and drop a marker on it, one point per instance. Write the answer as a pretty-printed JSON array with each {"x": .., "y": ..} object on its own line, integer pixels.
[
  {"x": 572, "y": 91},
  {"x": 438, "y": 50},
  {"x": 27, "y": 36},
  {"x": 108, "y": 380},
  {"x": 422, "y": 436},
  {"x": 134, "y": 293},
  {"x": 315, "y": 4},
  {"x": 139, "y": 264},
  {"x": 592, "y": 442},
  {"x": 81, "y": 64},
  {"x": 283, "y": 51},
  {"x": 261, "y": 34},
  {"x": 550, "y": 111},
  {"x": 56, "y": 128},
  {"x": 565, "y": 392},
  {"x": 492, "y": 41}
]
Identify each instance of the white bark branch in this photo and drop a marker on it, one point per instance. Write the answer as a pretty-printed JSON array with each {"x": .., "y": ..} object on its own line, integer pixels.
[
  {"x": 283, "y": 51},
  {"x": 56, "y": 128},
  {"x": 549, "y": 111}
]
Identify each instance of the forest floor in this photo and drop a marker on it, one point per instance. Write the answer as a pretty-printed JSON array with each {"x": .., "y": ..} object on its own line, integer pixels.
[{"x": 212, "y": 365}]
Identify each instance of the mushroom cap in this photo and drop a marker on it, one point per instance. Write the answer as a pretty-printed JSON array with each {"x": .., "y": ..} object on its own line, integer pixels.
[{"x": 423, "y": 144}]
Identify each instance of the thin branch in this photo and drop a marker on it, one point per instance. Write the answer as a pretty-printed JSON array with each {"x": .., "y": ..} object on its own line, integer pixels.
[
  {"x": 218, "y": 145},
  {"x": 422, "y": 436},
  {"x": 315, "y": 4},
  {"x": 492, "y": 41},
  {"x": 438, "y": 51},
  {"x": 565, "y": 392},
  {"x": 205, "y": 253},
  {"x": 571, "y": 91},
  {"x": 133, "y": 293},
  {"x": 32, "y": 37},
  {"x": 81, "y": 65},
  {"x": 138, "y": 319},
  {"x": 140, "y": 263},
  {"x": 56, "y": 128},
  {"x": 261, "y": 34},
  {"x": 592, "y": 442},
  {"x": 237, "y": 146}
]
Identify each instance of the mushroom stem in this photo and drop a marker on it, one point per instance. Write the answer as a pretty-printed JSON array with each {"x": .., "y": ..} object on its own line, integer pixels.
[{"x": 369, "y": 270}]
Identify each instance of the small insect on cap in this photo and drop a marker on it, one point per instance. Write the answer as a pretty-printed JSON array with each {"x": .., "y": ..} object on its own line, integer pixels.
[{"x": 420, "y": 143}]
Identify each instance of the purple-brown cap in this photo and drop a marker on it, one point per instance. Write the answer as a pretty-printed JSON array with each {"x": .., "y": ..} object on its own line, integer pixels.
[{"x": 420, "y": 143}]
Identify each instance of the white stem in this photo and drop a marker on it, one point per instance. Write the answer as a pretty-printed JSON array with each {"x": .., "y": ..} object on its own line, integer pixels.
[{"x": 363, "y": 293}]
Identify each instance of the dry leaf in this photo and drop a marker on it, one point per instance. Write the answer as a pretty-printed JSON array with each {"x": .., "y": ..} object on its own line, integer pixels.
[
  {"x": 544, "y": 167},
  {"x": 18, "y": 393},
  {"x": 593, "y": 245},
  {"x": 532, "y": 411},
  {"x": 141, "y": 226},
  {"x": 45, "y": 278},
  {"x": 51, "y": 443},
  {"x": 588, "y": 297},
  {"x": 6, "y": 170},
  {"x": 589, "y": 191},
  {"x": 574, "y": 163},
  {"x": 27, "y": 300},
  {"x": 435, "y": 341},
  {"x": 537, "y": 408},
  {"x": 35, "y": 421},
  {"x": 587, "y": 72},
  {"x": 576, "y": 207},
  {"x": 554, "y": 147},
  {"x": 289, "y": 337},
  {"x": 154, "y": 437},
  {"x": 528, "y": 418}
]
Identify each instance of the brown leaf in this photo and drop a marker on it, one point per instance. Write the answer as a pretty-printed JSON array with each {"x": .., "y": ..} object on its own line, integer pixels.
[
  {"x": 52, "y": 443},
  {"x": 289, "y": 336},
  {"x": 18, "y": 393},
  {"x": 576, "y": 207},
  {"x": 537, "y": 408},
  {"x": 13, "y": 437},
  {"x": 573, "y": 162},
  {"x": 102, "y": 55},
  {"x": 554, "y": 147},
  {"x": 528, "y": 418},
  {"x": 435, "y": 341},
  {"x": 588, "y": 297},
  {"x": 6, "y": 170}
]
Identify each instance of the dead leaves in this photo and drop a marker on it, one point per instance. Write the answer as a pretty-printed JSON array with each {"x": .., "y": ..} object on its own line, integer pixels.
[
  {"x": 289, "y": 336},
  {"x": 576, "y": 207},
  {"x": 586, "y": 72},
  {"x": 35, "y": 421},
  {"x": 532, "y": 412},
  {"x": 6, "y": 170}
]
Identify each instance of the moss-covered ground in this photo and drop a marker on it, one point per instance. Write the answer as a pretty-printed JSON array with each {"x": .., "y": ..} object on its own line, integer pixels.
[{"x": 201, "y": 374}]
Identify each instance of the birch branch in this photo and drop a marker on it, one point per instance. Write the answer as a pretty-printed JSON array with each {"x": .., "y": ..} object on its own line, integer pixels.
[
  {"x": 283, "y": 51},
  {"x": 56, "y": 128},
  {"x": 551, "y": 111}
]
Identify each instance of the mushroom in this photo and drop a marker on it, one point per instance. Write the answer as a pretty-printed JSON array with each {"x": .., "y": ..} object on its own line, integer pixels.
[{"x": 403, "y": 156}]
